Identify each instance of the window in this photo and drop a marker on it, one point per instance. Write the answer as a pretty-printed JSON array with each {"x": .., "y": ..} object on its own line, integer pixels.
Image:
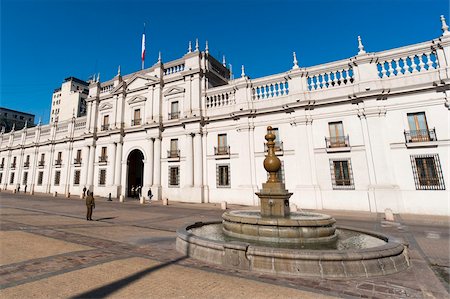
[
  {"x": 418, "y": 127},
  {"x": 40, "y": 178},
  {"x": 59, "y": 159},
  {"x": 3, "y": 163},
  {"x": 1, "y": 177},
  {"x": 11, "y": 178},
  {"x": 137, "y": 118},
  {"x": 25, "y": 178},
  {"x": 78, "y": 157},
  {"x": 102, "y": 177},
  {"x": 103, "y": 155},
  {"x": 173, "y": 152},
  {"x": 105, "y": 125},
  {"x": 427, "y": 172},
  {"x": 341, "y": 174},
  {"x": 57, "y": 177},
  {"x": 223, "y": 175},
  {"x": 174, "y": 113},
  {"x": 76, "y": 177},
  {"x": 222, "y": 147},
  {"x": 27, "y": 161},
  {"x": 174, "y": 176},
  {"x": 337, "y": 137},
  {"x": 42, "y": 162},
  {"x": 13, "y": 165}
]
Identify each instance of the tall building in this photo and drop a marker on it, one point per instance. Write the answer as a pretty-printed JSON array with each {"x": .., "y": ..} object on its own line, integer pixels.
[
  {"x": 365, "y": 133},
  {"x": 13, "y": 119},
  {"x": 69, "y": 100}
]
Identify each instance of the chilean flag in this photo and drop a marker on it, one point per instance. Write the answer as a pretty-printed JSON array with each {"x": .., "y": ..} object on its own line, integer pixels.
[{"x": 143, "y": 49}]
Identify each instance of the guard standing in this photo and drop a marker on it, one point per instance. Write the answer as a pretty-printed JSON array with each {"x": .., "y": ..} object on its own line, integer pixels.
[{"x": 90, "y": 205}]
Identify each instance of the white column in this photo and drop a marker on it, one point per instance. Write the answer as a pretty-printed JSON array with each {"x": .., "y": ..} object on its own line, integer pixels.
[
  {"x": 198, "y": 160},
  {"x": 148, "y": 167},
  {"x": 68, "y": 169},
  {"x": 90, "y": 177},
  {"x": 189, "y": 161},
  {"x": 111, "y": 162},
  {"x": 33, "y": 169},
  {"x": 85, "y": 166},
  {"x": 89, "y": 113},
  {"x": 157, "y": 163},
  {"x": 118, "y": 166}
]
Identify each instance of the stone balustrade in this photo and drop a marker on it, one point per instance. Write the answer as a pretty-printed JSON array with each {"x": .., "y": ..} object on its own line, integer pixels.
[
  {"x": 271, "y": 87},
  {"x": 330, "y": 75},
  {"x": 107, "y": 88},
  {"x": 172, "y": 69}
]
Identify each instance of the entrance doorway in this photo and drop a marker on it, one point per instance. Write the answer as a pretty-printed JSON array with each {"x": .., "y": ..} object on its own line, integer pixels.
[{"x": 135, "y": 165}]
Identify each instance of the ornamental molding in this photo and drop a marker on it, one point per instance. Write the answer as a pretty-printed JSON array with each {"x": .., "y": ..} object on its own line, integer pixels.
[
  {"x": 136, "y": 99},
  {"x": 105, "y": 106},
  {"x": 173, "y": 90}
]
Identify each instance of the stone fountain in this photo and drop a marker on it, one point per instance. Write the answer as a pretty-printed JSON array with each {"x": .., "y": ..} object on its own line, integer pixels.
[{"x": 278, "y": 241}]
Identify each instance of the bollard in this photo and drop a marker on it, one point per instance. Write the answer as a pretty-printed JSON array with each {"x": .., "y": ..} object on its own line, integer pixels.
[
  {"x": 109, "y": 197},
  {"x": 68, "y": 195},
  {"x": 32, "y": 192},
  {"x": 223, "y": 205},
  {"x": 388, "y": 215},
  {"x": 55, "y": 194},
  {"x": 165, "y": 201},
  {"x": 15, "y": 191},
  {"x": 141, "y": 199},
  {"x": 81, "y": 196},
  {"x": 121, "y": 199}
]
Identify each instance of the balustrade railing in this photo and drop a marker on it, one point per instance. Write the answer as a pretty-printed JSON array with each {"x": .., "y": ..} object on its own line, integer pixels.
[
  {"x": 107, "y": 88},
  {"x": 105, "y": 127},
  {"x": 174, "y": 115},
  {"x": 80, "y": 124},
  {"x": 420, "y": 135},
  {"x": 77, "y": 161},
  {"x": 26, "y": 164},
  {"x": 1, "y": 166},
  {"x": 41, "y": 163},
  {"x": 174, "y": 69},
  {"x": 13, "y": 165},
  {"x": 327, "y": 78},
  {"x": 103, "y": 159},
  {"x": 416, "y": 62},
  {"x": 276, "y": 87},
  {"x": 136, "y": 122},
  {"x": 58, "y": 162},
  {"x": 221, "y": 99}
]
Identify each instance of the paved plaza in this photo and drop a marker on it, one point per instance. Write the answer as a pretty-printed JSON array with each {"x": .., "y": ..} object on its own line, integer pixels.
[{"x": 49, "y": 250}]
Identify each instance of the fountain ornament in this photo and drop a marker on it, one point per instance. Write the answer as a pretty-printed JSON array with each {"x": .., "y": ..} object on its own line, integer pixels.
[{"x": 277, "y": 241}]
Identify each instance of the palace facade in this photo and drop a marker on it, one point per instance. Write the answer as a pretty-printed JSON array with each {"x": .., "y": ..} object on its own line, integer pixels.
[{"x": 366, "y": 133}]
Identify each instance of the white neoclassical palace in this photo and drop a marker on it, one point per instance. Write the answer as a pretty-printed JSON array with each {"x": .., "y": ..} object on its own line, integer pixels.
[{"x": 365, "y": 133}]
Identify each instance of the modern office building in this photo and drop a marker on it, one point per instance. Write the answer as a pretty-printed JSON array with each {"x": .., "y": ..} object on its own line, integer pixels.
[
  {"x": 366, "y": 133},
  {"x": 14, "y": 120}
]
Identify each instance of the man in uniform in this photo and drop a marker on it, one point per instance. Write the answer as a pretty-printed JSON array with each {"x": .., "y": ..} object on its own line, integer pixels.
[{"x": 90, "y": 205}]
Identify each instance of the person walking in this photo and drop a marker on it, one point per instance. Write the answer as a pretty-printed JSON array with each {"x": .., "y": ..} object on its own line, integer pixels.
[
  {"x": 84, "y": 192},
  {"x": 132, "y": 191},
  {"x": 149, "y": 194},
  {"x": 90, "y": 205}
]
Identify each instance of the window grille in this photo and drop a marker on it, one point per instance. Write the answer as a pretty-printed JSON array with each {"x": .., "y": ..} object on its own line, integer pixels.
[
  {"x": 174, "y": 176},
  {"x": 40, "y": 178},
  {"x": 76, "y": 177},
  {"x": 427, "y": 172},
  {"x": 102, "y": 177},
  {"x": 223, "y": 178},
  {"x": 25, "y": 178},
  {"x": 11, "y": 178},
  {"x": 57, "y": 177},
  {"x": 341, "y": 174}
]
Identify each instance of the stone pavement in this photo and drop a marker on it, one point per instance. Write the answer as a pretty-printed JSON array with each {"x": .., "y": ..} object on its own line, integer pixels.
[{"x": 49, "y": 250}]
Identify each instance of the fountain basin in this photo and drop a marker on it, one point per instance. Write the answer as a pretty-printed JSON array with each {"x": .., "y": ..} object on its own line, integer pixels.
[
  {"x": 298, "y": 227},
  {"x": 381, "y": 256}
]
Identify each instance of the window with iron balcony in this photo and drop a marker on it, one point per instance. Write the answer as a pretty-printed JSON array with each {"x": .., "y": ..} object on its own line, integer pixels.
[
  {"x": 174, "y": 115},
  {"x": 58, "y": 162},
  {"x": 102, "y": 158},
  {"x": 13, "y": 165},
  {"x": 41, "y": 163},
  {"x": 105, "y": 127},
  {"x": 77, "y": 161},
  {"x": 136, "y": 122},
  {"x": 420, "y": 135},
  {"x": 1, "y": 166},
  {"x": 221, "y": 150},
  {"x": 337, "y": 141},
  {"x": 26, "y": 164},
  {"x": 173, "y": 153}
]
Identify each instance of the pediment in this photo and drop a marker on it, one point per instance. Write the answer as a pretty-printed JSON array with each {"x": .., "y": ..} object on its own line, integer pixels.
[
  {"x": 173, "y": 90},
  {"x": 136, "y": 99},
  {"x": 140, "y": 81},
  {"x": 105, "y": 106},
  {"x": 118, "y": 88}
]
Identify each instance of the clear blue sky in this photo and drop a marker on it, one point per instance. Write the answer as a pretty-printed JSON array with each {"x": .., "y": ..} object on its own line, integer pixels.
[{"x": 43, "y": 42}]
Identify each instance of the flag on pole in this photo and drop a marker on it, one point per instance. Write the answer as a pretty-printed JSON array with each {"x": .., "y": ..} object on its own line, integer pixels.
[{"x": 143, "y": 48}]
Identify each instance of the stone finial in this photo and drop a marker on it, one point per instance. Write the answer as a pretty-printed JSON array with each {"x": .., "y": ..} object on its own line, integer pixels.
[
  {"x": 13, "y": 127},
  {"x": 206, "y": 47},
  {"x": 159, "y": 57},
  {"x": 242, "y": 71},
  {"x": 196, "y": 44},
  {"x": 190, "y": 47},
  {"x": 40, "y": 121},
  {"x": 272, "y": 163},
  {"x": 360, "y": 46},
  {"x": 295, "y": 61},
  {"x": 98, "y": 77},
  {"x": 224, "y": 61},
  {"x": 231, "y": 71},
  {"x": 444, "y": 26},
  {"x": 26, "y": 125},
  {"x": 118, "y": 71}
]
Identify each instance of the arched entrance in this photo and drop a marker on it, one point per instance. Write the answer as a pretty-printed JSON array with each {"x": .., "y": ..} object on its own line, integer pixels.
[{"x": 135, "y": 170}]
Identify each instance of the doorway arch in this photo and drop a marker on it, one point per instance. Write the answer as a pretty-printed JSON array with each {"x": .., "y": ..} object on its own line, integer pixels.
[{"x": 135, "y": 170}]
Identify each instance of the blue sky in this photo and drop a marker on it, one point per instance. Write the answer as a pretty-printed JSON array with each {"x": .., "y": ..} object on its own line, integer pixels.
[{"x": 43, "y": 42}]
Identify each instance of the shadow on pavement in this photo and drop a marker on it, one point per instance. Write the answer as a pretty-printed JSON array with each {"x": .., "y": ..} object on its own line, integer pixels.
[
  {"x": 110, "y": 288},
  {"x": 105, "y": 218}
]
